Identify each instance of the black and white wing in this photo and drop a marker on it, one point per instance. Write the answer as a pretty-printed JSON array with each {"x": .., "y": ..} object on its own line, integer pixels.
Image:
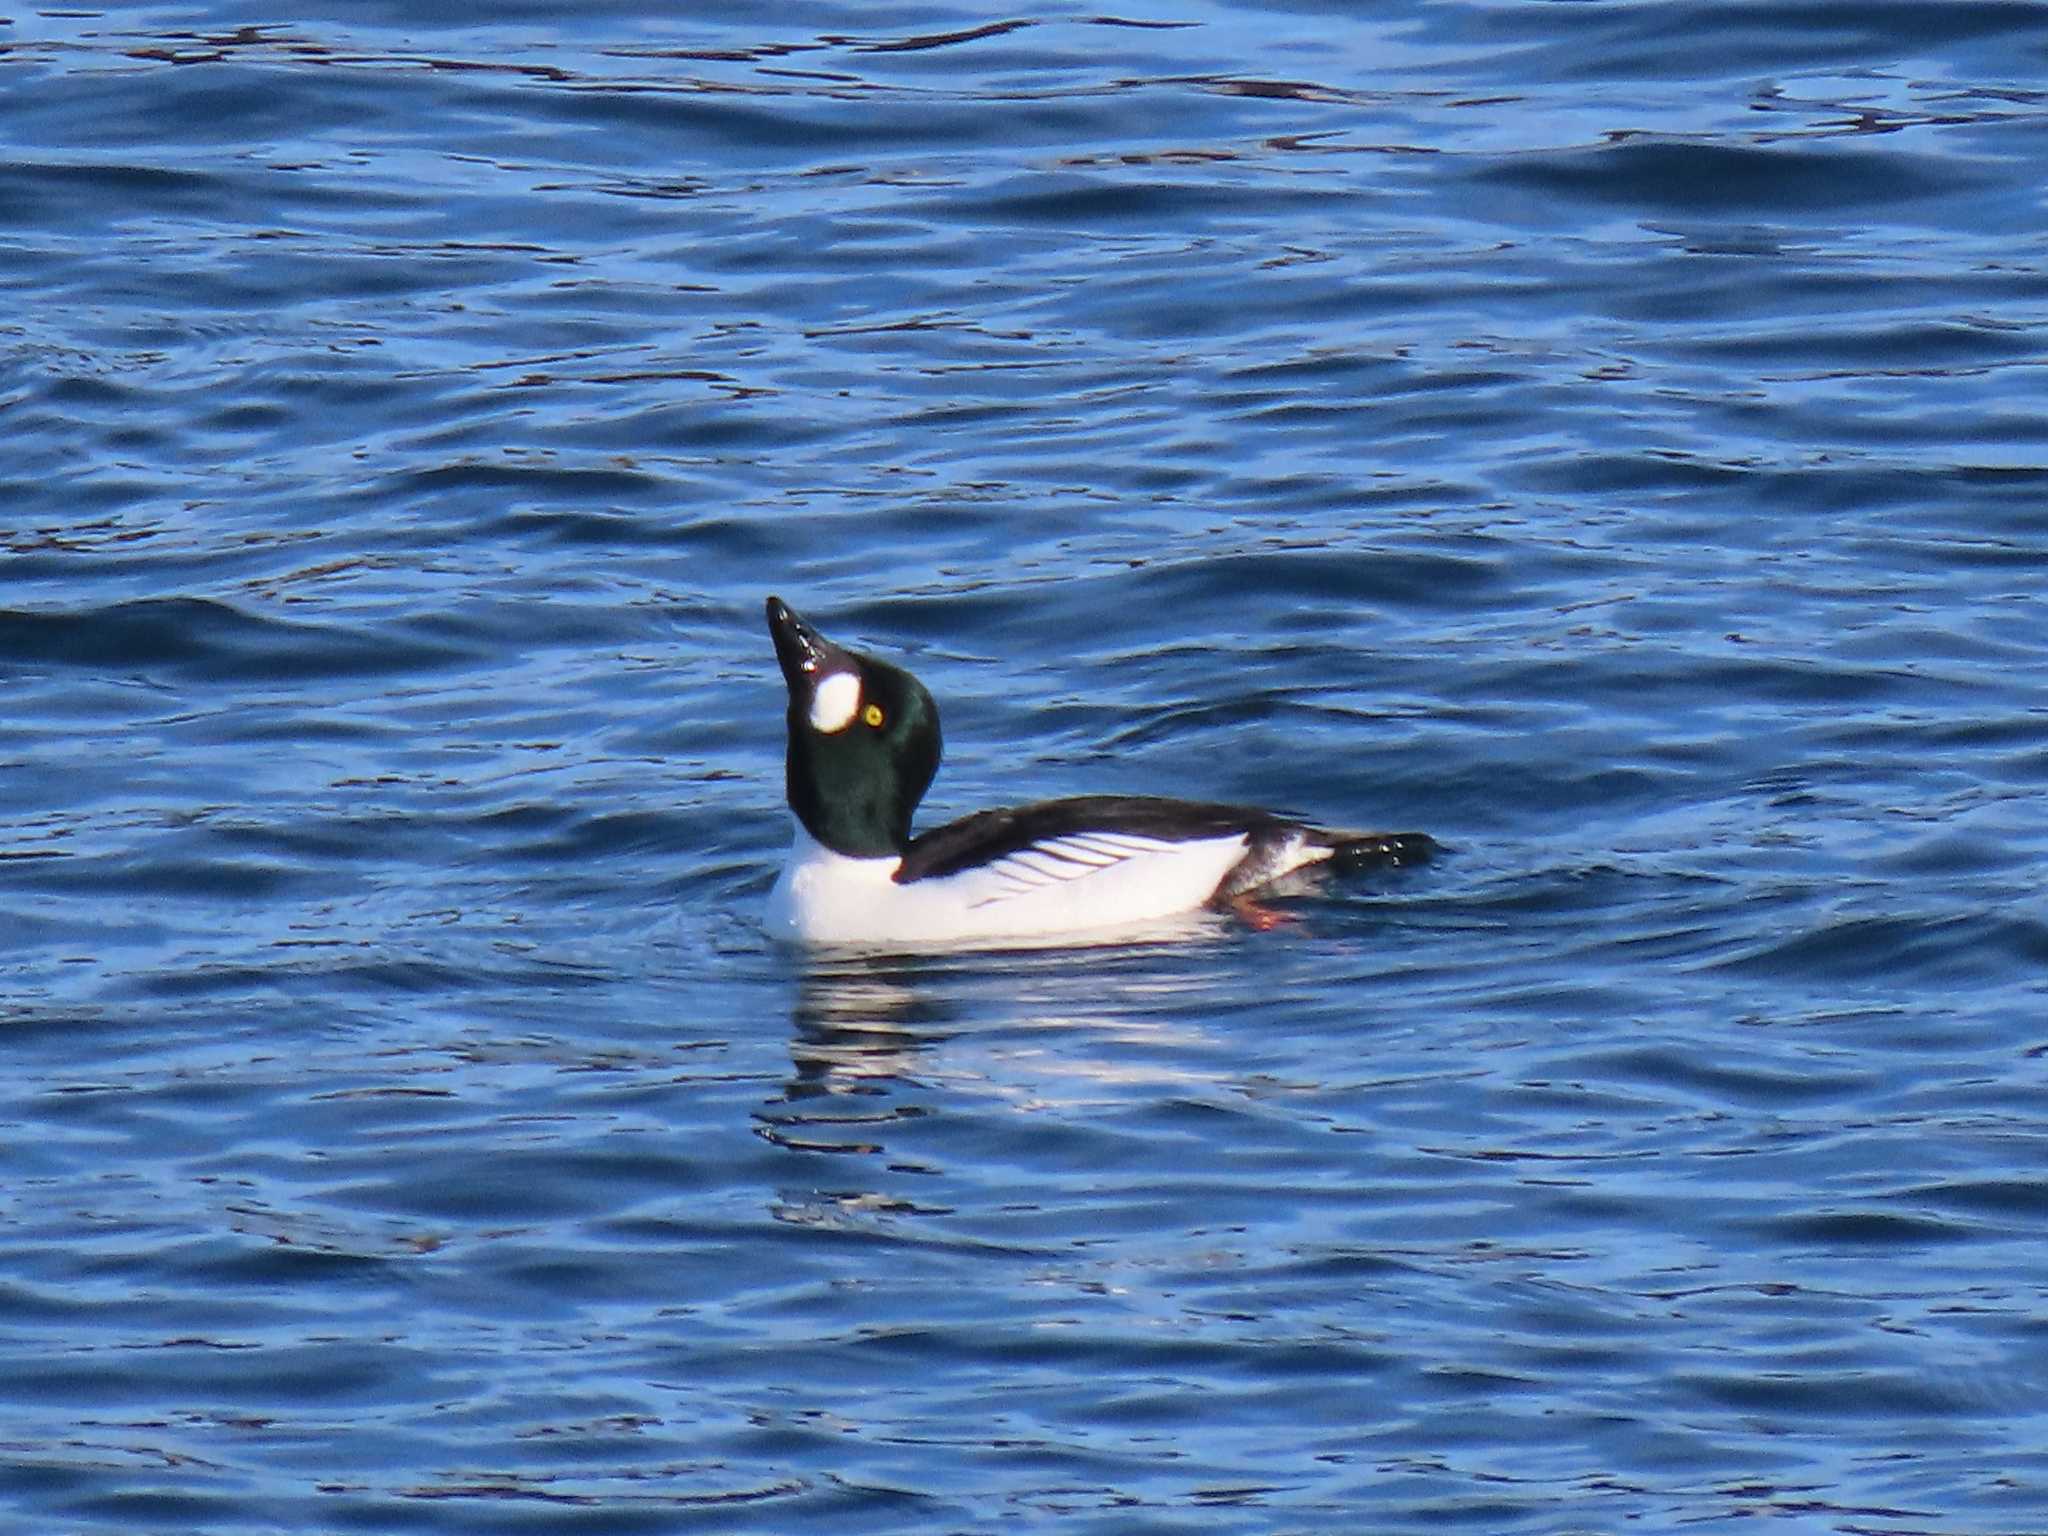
[{"x": 1057, "y": 842}]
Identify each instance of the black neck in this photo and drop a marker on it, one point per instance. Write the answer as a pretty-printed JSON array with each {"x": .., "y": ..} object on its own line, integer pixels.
[{"x": 866, "y": 816}]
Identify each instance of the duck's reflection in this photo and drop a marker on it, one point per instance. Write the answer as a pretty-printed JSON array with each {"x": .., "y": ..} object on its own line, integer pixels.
[
  {"x": 867, "y": 1032},
  {"x": 857, "y": 1030},
  {"x": 856, "y": 1021}
]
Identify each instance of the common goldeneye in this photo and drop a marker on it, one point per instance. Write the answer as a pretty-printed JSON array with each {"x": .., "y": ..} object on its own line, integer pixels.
[{"x": 863, "y": 747}]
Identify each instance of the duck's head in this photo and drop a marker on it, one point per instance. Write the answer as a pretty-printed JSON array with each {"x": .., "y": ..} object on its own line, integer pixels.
[{"x": 863, "y": 740}]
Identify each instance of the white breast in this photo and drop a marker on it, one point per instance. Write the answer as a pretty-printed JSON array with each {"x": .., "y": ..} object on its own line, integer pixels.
[{"x": 1083, "y": 881}]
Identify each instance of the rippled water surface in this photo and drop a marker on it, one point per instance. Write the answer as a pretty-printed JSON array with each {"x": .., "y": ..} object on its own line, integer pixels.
[{"x": 1609, "y": 437}]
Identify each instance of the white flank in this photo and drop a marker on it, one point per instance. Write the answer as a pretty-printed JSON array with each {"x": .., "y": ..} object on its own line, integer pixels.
[
  {"x": 834, "y": 701},
  {"x": 1093, "y": 880}
]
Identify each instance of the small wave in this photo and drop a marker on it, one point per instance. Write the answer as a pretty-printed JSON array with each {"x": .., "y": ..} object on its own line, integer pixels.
[
  {"x": 1676, "y": 177},
  {"x": 210, "y": 640}
]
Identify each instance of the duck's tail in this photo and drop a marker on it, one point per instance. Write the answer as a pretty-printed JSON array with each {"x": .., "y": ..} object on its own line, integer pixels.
[{"x": 1372, "y": 851}]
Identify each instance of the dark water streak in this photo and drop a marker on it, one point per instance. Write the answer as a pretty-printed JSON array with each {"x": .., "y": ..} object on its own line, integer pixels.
[{"x": 1606, "y": 436}]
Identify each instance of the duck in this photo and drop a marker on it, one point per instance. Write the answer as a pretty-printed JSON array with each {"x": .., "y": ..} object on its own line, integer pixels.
[{"x": 864, "y": 746}]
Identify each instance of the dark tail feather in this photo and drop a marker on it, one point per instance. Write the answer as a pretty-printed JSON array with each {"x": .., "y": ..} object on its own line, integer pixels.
[{"x": 1383, "y": 850}]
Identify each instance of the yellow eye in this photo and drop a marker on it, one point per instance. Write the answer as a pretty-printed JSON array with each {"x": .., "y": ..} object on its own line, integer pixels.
[{"x": 872, "y": 714}]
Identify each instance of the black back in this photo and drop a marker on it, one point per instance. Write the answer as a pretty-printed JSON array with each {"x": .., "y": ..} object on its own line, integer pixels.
[{"x": 989, "y": 835}]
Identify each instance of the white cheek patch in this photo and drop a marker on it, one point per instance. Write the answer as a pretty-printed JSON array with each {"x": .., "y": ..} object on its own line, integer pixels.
[{"x": 834, "y": 701}]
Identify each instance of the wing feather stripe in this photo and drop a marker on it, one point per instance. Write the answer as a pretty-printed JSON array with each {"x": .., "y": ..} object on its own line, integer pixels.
[{"x": 1074, "y": 851}]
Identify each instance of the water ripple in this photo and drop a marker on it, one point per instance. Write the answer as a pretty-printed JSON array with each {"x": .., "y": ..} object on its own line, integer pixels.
[{"x": 1602, "y": 437}]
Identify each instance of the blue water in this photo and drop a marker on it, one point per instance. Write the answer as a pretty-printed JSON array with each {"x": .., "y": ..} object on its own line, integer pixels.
[{"x": 1612, "y": 438}]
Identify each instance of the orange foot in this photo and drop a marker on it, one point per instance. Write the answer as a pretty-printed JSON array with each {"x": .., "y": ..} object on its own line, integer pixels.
[{"x": 1260, "y": 919}]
